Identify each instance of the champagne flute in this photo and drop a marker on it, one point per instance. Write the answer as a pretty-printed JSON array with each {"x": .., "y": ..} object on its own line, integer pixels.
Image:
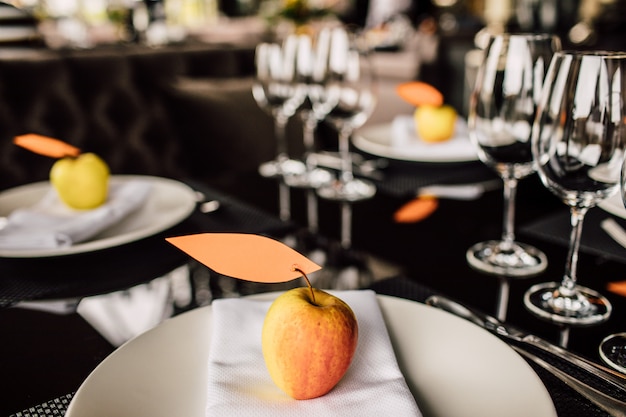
[
  {"x": 277, "y": 91},
  {"x": 578, "y": 143},
  {"x": 501, "y": 112},
  {"x": 352, "y": 69}
]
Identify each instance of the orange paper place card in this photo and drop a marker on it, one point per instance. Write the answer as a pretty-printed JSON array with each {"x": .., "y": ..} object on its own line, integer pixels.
[
  {"x": 416, "y": 210},
  {"x": 419, "y": 93},
  {"x": 245, "y": 256},
  {"x": 618, "y": 288},
  {"x": 47, "y": 146}
]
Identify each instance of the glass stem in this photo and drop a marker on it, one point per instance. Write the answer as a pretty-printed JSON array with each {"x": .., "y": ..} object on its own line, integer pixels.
[
  {"x": 502, "y": 303},
  {"x": 312, "y": 219},
  {"x": 569, "y": 277},
  {"x": 308, "y": 139},
  {"x": 280, "y": 131},
  {"x": 284, "y": 197},
  {"x": 344, "y": 153},
  {"x": 308, "y": 136},
  {"x": 508, "y": 225},
  {"x": 346, "y": 225}
]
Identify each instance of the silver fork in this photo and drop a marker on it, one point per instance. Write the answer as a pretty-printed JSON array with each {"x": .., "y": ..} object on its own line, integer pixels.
[{"x": 613, "y": 406}]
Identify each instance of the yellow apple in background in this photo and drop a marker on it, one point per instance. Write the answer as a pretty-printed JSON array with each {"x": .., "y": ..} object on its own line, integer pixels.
[
  {"x": 81, "y": 182},
  {"x": 435, "y": 123},
  {"x": 309, "y": 339}
]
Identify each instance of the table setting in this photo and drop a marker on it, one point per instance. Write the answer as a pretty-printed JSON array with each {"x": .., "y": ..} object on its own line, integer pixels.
[
  {"x": 157, "y": 352},
  {"x": 126, "y": 250},
  {"x": 417, "y": 351}
]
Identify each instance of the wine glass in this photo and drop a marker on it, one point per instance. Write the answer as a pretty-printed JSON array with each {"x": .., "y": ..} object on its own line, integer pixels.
[
  {"x": 613, "y": 351},
  {"x": 613, "y": 347},
  {"x": 501, "y": 112},
  {"x": 321, "y": 96},
  {"x": 578, "y": 143},
  {"x": 277, "y": 91},
  {"x": 352, "y": 70}
]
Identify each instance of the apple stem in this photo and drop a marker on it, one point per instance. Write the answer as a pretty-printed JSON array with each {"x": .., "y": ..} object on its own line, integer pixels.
[{"x": 295, "y": 268}]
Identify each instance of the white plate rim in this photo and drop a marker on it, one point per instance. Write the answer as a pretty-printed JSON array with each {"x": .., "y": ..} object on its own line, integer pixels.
[
  {"x": 143, "y": 390},
  {"x": 374, "y": 139},
  {"x": 185, "y": 204},
  {"x": 614, "y": 205}
]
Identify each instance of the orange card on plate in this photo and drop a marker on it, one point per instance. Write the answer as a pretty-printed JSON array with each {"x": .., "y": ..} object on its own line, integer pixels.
[
  {"x": 47, "y": 146},
  {"x": 245, "y": 256},
  {"x": 419, "y": 93}
]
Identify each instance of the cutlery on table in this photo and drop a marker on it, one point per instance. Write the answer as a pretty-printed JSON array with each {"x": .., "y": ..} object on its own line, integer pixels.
[
  {"x": 613, "y": 406},
  {"x": 512, "y": 334},
  {"x": 368, "y": 168},
  {"x": 459, "y": 191},
  {"x": 206, "y": 206}
]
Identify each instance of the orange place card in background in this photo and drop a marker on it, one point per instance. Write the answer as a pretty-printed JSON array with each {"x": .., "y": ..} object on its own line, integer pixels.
[
  {"x": 46, "y": 146},
  {"x": 617, "y": 287},
  {"x": 245, "y": 256},
  {"x": 419, "y": 93},
  {"x": 416, "y": 210}
]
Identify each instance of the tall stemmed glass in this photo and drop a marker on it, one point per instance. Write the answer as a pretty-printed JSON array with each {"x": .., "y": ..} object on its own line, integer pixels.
[
  {"x": 352, "y": 69},
  {"x": 501, "y": 112},
  {"x": 613, "y": 347},
  {"x": 578, "y": 143},
  {"x": 321, "y": 96},
  {"x": 277, "y": 91}
]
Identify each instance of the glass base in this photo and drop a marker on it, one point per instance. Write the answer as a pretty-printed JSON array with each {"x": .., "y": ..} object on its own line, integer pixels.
[
  {"x": 517, "y": 260},
  {"x": 353, "y": 190},
  {"x": 613, "y": 351},
  {"x": 579, "y": 307},
  {"x": 314, "y": 178},
  {"x": 281, "y": 168}
]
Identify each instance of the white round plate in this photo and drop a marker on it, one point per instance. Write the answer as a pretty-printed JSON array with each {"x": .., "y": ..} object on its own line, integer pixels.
[
  {"x": 452, "y": 367},
  {"x": 168, "y": 203},
  {"x": 378, "y": 140},
  {"x": 614, "y": 205}
]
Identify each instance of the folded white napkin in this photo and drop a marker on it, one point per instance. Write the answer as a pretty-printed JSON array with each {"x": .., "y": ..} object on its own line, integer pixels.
[
  {"x": 239, "y": 383},
  {"x": 404, "y": 137},
  {"x": 51, "y": 224},
  {"x": 119, "y": 316}
]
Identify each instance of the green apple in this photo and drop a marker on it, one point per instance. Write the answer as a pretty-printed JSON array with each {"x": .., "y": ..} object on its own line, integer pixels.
[
  {"x": 435, "y": 123},
  {"x": 309, "y": 338},
  {"x": 81, "y": 182}
]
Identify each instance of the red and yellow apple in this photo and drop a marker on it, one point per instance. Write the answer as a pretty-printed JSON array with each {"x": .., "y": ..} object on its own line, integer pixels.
[
  {"x": 435, "y": 123},
  {"x": 82, "y": 182},
  {"x": 309, "y": 338}
]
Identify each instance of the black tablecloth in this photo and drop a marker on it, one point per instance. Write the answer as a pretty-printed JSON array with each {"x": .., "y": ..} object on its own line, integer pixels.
[
  {"x": 555, "y": 227},
  {"x": 402, "y": 179},
  {"x": 405, "y": 178}
]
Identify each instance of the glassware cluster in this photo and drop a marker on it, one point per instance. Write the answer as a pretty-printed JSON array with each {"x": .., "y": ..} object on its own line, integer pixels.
[
  {"x": 579, "y": 148},
  {"x": 536, "y": 108},
  {"x": 325, "y": 77}
]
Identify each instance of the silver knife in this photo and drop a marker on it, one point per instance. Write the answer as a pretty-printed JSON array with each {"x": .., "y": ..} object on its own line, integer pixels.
[{"x": 511, "y": 333}]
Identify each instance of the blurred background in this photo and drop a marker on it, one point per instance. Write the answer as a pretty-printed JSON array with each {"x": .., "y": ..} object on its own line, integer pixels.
[{"x": 443, "y": 33}]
